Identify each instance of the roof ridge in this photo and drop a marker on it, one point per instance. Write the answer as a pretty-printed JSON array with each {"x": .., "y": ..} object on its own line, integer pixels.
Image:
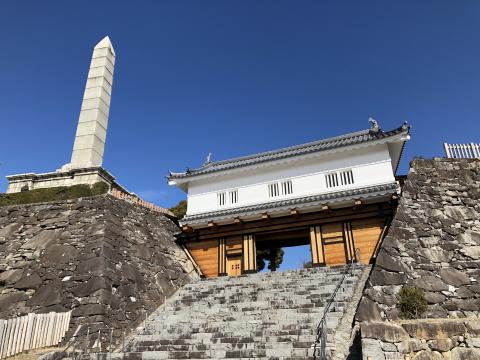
[
  {"x": 317, "y": 145},
  {"x": 291, "y": 147}
]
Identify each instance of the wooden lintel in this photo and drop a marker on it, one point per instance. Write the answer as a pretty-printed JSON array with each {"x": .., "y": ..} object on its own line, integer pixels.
[
  {"x": 238, "y": 221},
  {"x": 211, "y": 224},
  {"x": 295, "y": 212},
  {"x": 266, "y": 224}
]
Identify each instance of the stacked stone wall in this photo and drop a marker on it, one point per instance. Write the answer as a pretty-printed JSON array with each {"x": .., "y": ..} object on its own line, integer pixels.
[
  {"x": 454, "y": 339},
  {"x": 433, "y": 244},
  {"x": 108, "y": 261}
]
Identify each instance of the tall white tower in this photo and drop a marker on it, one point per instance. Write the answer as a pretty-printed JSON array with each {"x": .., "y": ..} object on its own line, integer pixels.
[
  {"x": 85, "y": 166},
  {"x": 92, "y": 125}
]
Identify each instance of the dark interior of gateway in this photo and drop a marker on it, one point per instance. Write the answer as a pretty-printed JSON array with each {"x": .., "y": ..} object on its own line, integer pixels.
[{"x": 283, "y": 238}]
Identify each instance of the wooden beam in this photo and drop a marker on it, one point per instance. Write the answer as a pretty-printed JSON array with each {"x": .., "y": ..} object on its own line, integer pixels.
[
  {"x": 295, "y": 212},
  {"x": 325, "y": 208},
  {"x": 289, "y": 222},
  {"x": 358, "y": 204},
  {"x": 238, "y": 221},
  {"x": 394, "y": 197},
  {"x": 265, "y": 216},
  {"x": 187, "y": 229},
  {"x": 211, "y": 224}
]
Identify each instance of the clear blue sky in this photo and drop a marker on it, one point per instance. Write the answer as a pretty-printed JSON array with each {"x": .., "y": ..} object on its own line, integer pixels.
[{"x": 233, "y": 78}]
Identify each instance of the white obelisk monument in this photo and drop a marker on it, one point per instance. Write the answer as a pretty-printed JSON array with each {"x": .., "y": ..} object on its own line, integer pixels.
[
  {"x": 93, "y": 121},
  {"x": 85, "y": 166}
]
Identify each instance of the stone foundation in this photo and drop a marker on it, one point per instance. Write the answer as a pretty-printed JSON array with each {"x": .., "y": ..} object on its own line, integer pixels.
[
  {"x": 442, "y": 339},
  {"x": 85, "y": 176}
]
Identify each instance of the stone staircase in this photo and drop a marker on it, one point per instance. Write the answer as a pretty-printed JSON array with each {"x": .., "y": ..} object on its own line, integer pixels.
[{"x": 265, "y": 315}]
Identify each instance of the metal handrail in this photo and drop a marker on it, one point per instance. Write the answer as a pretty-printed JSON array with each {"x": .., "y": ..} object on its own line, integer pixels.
[{"x": 321, "y": 337}]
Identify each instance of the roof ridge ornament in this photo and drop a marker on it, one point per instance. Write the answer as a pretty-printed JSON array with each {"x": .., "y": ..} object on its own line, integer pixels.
[
  {"x": 208, "y": 160},
  {"x": 374, "y": 123}
]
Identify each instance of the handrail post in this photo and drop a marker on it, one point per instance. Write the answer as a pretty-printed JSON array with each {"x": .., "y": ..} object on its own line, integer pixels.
[
  {"x": 86, "y": 340},
  {"x": 447, "y": 151},
  {"x": 321, "y": 337},
  {"x": 110, "y": 346},
  {"x": 475, "y": 148}
]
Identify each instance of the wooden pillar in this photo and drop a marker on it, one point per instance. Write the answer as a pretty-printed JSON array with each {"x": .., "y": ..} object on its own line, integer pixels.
[
  {"x": 349, "y": 243},
  {"x": 222, "y": 257},
  {"x": 316, "y": 246},
  {"x": 249, "y": 254}
]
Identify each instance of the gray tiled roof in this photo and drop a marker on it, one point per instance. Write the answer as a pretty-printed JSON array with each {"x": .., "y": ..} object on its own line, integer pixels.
[
  {"x": 316, "y": 146},
  {"x": 328, "y": 198}
]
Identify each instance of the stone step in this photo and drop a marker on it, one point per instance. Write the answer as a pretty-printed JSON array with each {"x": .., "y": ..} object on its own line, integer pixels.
[
  {"x": 142, "y": 340},
  {"x": 283, "y": 350},
  {"x": 261, "y": 316},
  {"x": 218, "y": 288}
]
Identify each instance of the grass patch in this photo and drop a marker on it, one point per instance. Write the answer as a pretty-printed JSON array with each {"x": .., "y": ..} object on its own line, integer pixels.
[{"x": 53, "y": 194}]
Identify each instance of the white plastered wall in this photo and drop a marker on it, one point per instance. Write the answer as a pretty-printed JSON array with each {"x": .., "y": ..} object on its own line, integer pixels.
[{"x": 370, "y": 166}]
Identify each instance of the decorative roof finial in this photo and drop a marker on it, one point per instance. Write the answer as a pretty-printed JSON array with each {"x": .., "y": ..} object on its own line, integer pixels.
[
  {"x": 208, "y": 160},
  {"x": 375, "y": 127}
]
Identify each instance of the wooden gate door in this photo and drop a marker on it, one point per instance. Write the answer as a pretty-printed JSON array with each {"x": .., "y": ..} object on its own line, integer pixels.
[
  {"x": 234, "y": 265},
  {"x": 334, "y": 244}
]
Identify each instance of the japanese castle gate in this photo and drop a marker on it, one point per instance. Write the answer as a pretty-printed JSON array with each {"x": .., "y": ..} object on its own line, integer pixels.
[{"x": 337, "y": 194}]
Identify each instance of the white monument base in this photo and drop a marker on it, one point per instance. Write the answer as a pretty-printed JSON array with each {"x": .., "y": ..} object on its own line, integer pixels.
[{"x": 32, "y": 181}]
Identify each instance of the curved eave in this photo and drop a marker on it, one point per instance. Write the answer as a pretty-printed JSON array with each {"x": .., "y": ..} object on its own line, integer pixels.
[
  {"x": 183, "y": 185},
  {"x": 182, "y": 178}
]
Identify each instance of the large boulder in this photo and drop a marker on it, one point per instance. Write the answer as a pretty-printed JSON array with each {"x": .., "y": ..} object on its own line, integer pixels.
[
  {"x": 368, "y": 311},
  {"x": 383, "y": 331},
  {"x": 460, "y": 353},
  {"x": 434, "y": 330}
]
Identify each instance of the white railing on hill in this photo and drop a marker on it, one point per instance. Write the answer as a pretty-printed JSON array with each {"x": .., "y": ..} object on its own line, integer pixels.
[
  {"x": 134, "y": 199},
  {"x": 462, "y": 151},
  {"x": 32, "y": 331}
]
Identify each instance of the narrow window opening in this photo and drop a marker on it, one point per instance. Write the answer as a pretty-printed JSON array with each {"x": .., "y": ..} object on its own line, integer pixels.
[
  {"x": 221, "y": 199},
  {"x": 287, "y": 187},
  {"x": 233, "y": 196},
  {"x": 340, "y": 178}
]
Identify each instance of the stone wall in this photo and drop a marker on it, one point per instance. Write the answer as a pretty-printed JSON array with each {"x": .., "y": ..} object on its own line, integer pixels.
[
  {"x": 433, "y": 243},
  {"x": 107, "y": 260},
  {"x": 455, "y": 339}
]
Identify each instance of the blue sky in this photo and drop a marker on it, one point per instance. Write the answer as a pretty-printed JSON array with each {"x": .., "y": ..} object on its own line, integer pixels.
[{"x": 233, "y": 78}]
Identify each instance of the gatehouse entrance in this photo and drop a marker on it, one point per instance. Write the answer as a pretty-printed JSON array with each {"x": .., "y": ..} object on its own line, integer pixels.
[{"x": 327, "y": 238}]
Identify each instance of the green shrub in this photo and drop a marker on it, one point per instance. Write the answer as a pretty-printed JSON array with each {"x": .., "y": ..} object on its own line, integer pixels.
[
  {"x": 411, "y": 302},
  {"x": 307, "y": 265},
  {"x": 274, "y": 256},
  {"x": 53, "y": 194},
  {"x": 180, "y": 209}
]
